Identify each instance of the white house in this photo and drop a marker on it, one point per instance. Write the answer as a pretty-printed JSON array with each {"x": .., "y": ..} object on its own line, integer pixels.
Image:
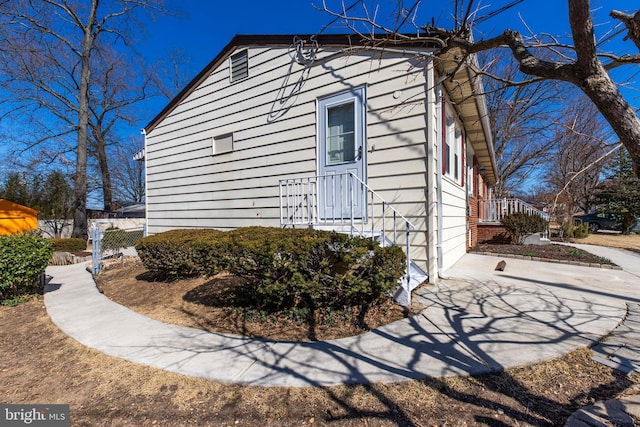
[{"x": 326, "y": 132}]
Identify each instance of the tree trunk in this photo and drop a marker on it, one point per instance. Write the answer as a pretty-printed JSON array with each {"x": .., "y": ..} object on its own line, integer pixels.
[
  {"x": 101, "y": 151},
  {"x": 591, "y": 76},
  {"x": 624, "y": 121},
  {"x": 80, "y": 228}
]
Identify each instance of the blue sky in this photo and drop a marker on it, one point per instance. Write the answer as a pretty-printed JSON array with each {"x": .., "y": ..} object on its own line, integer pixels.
[{"x": 203, "y": 27}]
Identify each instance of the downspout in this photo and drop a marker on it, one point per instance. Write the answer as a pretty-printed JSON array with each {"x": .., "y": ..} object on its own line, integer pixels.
[
  {"x": 146, "y": 190},
  {"x": 440, "y": 118}
]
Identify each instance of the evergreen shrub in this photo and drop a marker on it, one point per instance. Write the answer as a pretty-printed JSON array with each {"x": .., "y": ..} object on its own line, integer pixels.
[
  {"x": 287, "y": 268},
  {"x": 580, "y": 231},
  {"x": 23, "y": 259},
  {"x": 521, "y": 224},
  {"x": 283, "y": 268},
  {"x": 171, "y": 254}
]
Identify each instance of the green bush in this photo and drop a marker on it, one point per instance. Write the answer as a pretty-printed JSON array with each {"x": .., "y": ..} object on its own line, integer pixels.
[
  {"x": 283, "y": 268},
  {"x": 580, "y": 231},
  {"x": 69, "y": 245},
  {"x": 571, "y": 229},
  {"x": 210, "y": 252},
  {"x": 171, "y": 254},
  {"x": 23, "y": 259},
  {"x": 288, "y": 268},
  {"x": 521, "y": 224}
]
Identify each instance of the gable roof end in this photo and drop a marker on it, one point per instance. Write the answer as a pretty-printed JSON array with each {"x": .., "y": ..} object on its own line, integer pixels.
[
  {"x": 286, "y": 40},
  {"x": 464, "y": 87}
]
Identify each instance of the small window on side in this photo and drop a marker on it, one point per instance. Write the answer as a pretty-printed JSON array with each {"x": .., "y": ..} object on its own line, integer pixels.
[
  {"x": 239, "y": 66},
  {"x": 223, "y": 144}
]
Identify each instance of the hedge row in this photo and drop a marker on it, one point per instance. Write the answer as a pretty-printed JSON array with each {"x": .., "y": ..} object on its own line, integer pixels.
[
  {"x": 23, "y": 259},
  {"x": 283, "y": 268}
]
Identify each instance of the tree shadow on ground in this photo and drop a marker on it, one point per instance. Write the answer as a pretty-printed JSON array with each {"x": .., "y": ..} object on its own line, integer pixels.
[
  {"x": 228, "y": 294},
  {"x": 455, "y": 334}
]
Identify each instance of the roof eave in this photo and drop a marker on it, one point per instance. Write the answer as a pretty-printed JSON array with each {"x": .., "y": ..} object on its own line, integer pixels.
[{"x": 467, "y": 92}]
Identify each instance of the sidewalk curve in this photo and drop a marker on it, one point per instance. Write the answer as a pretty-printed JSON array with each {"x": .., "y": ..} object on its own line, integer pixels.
[{"x": 477, "y": 321}]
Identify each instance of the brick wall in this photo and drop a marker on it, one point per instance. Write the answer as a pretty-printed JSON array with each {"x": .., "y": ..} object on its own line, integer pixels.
[
  {"x": 472, "y": 221},
  {"x": 493, "y": 233}
]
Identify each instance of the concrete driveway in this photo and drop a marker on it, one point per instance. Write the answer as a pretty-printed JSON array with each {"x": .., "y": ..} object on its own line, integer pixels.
[{"x": 531, "y": 311}]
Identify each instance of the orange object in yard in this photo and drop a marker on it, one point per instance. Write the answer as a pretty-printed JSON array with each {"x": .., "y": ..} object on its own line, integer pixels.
[{"x": 15, "y": 218}]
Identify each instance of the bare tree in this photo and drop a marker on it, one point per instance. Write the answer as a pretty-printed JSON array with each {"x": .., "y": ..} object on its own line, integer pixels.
[
  {"x": 117, "y": 86},
  {"x": 523, "y": 124},
  {"x": 48, "y": 47},
  {"x": 128, "y": 175},
  {"x": 172, "y": 73},
  {"x": 575, "y": 168},
  {"x": 581, "y": 63}
]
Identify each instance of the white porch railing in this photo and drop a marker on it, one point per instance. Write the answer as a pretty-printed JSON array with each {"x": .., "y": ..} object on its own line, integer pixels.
[
  {"x": 493, "y": 210},
  {"x": 344, "y": 203}
]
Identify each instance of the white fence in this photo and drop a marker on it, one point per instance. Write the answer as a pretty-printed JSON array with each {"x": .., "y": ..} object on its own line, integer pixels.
[{"x": 493, "y": 210}]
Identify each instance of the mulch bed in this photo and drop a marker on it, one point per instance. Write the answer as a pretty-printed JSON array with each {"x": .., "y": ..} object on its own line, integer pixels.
[
  {"x": 208, "y": 304},
  {"x": 549, "y": 252}
]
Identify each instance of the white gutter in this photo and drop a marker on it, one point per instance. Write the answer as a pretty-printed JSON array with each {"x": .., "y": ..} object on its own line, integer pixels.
[
  {"x": 483, "y": 112},
  {"x": 146, "y": 190},
  {"x": 439, "y": 118}
]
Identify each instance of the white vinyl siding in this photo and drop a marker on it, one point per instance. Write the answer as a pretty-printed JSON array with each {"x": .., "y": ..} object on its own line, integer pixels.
[
  {"x": 454, "y": 195},
  {"x": 272, "y": 116},
  {"x": 454, "y": 223}
]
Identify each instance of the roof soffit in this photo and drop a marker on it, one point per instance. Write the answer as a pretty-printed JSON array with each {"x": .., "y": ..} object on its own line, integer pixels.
[{"x": 465, "y": 92}]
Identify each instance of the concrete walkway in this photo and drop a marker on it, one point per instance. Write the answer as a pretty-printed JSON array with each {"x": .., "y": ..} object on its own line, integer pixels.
[{"x": 477, "y": 321}]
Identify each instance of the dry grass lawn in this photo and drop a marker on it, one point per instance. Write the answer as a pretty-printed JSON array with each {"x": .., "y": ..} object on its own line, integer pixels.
[
  {"x": 612, "y": 239},
  {"x": 39, "y": 364}
]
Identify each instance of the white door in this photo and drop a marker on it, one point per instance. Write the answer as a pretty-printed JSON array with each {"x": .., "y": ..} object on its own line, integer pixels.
[{"x": 341, "y": 153}]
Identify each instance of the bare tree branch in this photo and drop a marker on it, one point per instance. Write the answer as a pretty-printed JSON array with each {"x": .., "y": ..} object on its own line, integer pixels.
[
  {"x": 632, "y": 22},
  {"x": 584, "y": 69}
]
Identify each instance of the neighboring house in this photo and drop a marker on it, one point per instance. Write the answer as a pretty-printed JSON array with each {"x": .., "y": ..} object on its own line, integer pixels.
[
  {"x": 15, "y": 218},
  {"x": 277, "y": 132}
]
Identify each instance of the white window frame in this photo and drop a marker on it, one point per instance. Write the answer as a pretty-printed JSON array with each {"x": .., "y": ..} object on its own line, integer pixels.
[
  {"x": 471, "y": 176},
  {"x": 222, "y": 144},
  {"x": 454, "y": 161}
]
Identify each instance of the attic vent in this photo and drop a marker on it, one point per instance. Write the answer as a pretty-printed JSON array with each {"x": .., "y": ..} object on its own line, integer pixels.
[{"x": 239, "y": 66}]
